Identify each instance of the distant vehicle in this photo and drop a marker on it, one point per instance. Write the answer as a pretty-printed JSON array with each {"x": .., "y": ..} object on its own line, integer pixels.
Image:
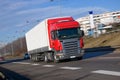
[
  {"x": 26, "y": 56},
  {"x": 55, "y": 39}
]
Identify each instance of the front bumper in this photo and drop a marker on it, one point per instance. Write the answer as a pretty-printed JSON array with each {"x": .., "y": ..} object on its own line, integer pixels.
[{"x": 63, "y": 56}]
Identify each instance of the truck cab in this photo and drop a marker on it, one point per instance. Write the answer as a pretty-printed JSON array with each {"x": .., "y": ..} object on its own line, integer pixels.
[{"x": 65, "y": 37}]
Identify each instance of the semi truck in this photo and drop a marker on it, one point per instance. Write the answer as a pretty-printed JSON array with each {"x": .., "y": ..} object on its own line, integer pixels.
[{"x": 55, "y": 39}]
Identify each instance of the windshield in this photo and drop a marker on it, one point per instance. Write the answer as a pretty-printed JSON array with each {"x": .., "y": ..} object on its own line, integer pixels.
[{"x": 68, "y": 33}]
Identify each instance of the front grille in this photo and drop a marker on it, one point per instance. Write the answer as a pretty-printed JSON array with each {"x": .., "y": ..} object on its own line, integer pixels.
[{"x": 71, "y": 47}]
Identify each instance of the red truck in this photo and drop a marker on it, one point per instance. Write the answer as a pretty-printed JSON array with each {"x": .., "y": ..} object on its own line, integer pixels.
[{"x": 55, "y": 39}]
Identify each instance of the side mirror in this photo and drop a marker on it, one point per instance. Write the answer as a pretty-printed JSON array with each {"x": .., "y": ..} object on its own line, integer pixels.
[
  {"x": 82, "y": 33},
  {"x": 53, "y": 35}
]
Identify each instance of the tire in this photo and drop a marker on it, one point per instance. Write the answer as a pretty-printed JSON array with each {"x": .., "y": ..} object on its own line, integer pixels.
[
  {"x": 56, "y": 59},
  {"x": 34, "y": 57},
  {"x": 46, "y": 58}
]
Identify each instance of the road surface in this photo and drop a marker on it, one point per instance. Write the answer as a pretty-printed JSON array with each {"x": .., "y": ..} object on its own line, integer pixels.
[{"x": 99, "y": 65}]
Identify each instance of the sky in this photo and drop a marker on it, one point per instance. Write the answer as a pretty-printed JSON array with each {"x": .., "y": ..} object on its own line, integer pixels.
[{"x": 19, "y": 16}]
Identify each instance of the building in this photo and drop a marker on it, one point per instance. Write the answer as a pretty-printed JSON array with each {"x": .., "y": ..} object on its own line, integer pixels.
[{"x": 101, "y": 21}]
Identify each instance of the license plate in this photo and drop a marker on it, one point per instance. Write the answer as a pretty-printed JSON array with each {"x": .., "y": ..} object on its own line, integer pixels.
[{"x": 72, "y": 56}]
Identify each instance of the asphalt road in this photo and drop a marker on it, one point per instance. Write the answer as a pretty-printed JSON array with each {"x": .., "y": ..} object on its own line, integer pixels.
[{"x": 99, "y": 65}]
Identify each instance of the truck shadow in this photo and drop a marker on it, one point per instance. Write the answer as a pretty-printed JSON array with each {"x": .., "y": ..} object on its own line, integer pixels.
[
  {"x": 98, "y": 51},
  {"x": 94, "y": 52}
]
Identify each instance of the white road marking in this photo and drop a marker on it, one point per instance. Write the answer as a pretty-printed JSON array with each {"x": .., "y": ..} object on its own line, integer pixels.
[
  {"x": 21, "y": 62},
  {"x": 70, "y": 68},
  {"x": 35, "y": 64},
  {"x": 106, "y": 72},
  {"x": 48, "y": 65}
]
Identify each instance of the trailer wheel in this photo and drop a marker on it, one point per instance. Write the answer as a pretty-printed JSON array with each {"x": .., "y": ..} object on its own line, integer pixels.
[
  {"x": 46, "y": 58},
  {"x": 32, "y": 57},
  {"x": 36, "y": 58}
]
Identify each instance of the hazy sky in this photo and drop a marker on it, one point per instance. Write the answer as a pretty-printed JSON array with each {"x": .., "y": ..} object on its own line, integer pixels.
[{"x": 18, "y": 16}]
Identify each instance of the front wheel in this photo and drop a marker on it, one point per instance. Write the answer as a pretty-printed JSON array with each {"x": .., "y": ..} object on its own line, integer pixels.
[{"x": 56, "y": 59}]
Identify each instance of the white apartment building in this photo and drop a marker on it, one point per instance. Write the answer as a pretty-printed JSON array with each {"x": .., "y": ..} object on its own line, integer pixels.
[{"x": 105, "y": 18}]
